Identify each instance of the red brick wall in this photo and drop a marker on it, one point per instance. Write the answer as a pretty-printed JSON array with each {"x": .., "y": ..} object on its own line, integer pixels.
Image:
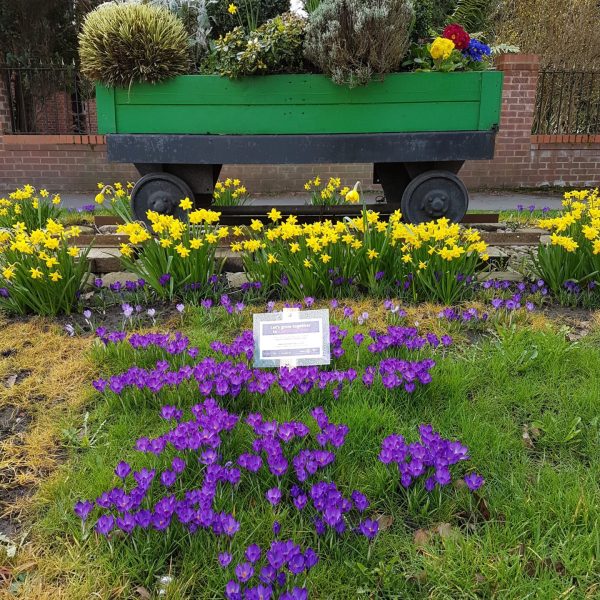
[{"x": 77, "y": 163}]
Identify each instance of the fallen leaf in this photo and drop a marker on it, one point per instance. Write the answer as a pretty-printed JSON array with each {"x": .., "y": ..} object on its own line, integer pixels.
[
  {"x": 482, "y": 506},
  {"x": 10, "y": 381},
  {"x": 445, "y": 530},
  {"x": 527, "y": 441},
  {"x": 421, "y": 537},
  {"x": 385, "y": 522},
  {"x": 142, "y": 592}
]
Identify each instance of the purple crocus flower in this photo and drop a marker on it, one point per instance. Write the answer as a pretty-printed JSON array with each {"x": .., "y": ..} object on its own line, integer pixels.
[
  {"x": 105, "y": 524},
  {"x": 474, "y": 481},
  {"x": 83, "y": 508},
  {"x": 273, "y": 496},
  {"x": 122, "y": 469},
  {"x": 253, "y": 553},
  {"x": 225, "y": 559},
  {"x": 232, "y": 590},
  {"x": 369, "y": 528},
  {"x": 244, "y": 571}
]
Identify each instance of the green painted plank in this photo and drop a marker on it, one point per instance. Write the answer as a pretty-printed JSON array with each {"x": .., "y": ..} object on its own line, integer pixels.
[
  {"x": 105, "y": 109},
  {"x": 491, "y": 101},
  {"x": 307, "y": 119},
  {"x": 309, "y": 104},
  {"x": 306, "y": 89}
]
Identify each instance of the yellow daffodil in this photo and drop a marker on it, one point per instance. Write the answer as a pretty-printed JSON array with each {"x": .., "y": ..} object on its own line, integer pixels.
[
  {"x": 73, "y": 251},
  {"x": 182, "y": 251},
  {"x": 196, "y": 243},
  {"x": 36, "y": 273},
  {"x": 126, "y": 250},
  {"x": 307, "y": 263},
  {"x": 271, "y": 259},
  {"x": 294, "y": 247},
  {"x": 256, "y": 225},
  {"x": 55, "y": 276},
  {"x": 232, "y": 9},
  {"x": 8, "y": 272},
  {"x": 274, "y": 215},
  {"x": 325, "y": 258},
  {"x": 353, "y": 197},
  {"x": 186, "y": 204},
  {"x": 44, "y": 193},
  {"x": 372, "y": 254}
]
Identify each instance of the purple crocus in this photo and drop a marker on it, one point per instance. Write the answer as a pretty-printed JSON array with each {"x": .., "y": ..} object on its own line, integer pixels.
[
  {"x": 122, "y": 469},
  {"x": 253, "y": 553},
  {"x": 83, "y": 508},
  {"x": 225, "y": 559},
  {"x": 474, "y": 481},
  {"x": 105, "y": 524},
  {"x": 273, "y": 496},
  {"x": 369, "y": 528},
  {"x": 244, "y": 571}
]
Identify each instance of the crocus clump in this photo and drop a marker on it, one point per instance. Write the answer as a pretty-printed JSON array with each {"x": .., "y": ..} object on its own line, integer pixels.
[
  {"x": 430, "y": 459},
  {"x": 276, "y": 570},
  {"x": 404, "y": 337}
]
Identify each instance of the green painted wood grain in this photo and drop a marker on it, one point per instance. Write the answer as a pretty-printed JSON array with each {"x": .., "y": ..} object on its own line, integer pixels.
[{"x": 309, "y": 104}]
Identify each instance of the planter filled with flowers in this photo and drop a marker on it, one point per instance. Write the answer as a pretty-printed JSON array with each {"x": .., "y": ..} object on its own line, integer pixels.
[{"x": 181, "y": 94}]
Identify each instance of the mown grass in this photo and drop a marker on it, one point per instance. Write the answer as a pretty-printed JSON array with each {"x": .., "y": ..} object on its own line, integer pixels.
[{"x": 513, "y": 397}]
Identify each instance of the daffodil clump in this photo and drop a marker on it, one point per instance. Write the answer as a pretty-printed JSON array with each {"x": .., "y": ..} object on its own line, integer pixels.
[
  {"x": 28, "y": 206},
  {"x": 116, "y": 200},
  {"x": 433, "y": 260},
  {"x": 230, "y": 192},
  {"x": 330, "y": 193},
  {"x": 174, "y": 255},
  {"x": 40, "y": 271},
  {"x": 573, "y": 254}
]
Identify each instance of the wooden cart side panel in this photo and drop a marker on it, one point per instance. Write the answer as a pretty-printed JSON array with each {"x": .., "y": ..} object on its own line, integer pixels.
[
  {"x": 106, "y": 109},
  {"x": 305, "y": 104},
  {"x": 491, "y": 101}
]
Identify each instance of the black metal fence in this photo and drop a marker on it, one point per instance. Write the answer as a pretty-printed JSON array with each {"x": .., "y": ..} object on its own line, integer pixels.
[
  {"x": 49, "y": 100},
  {"x": 567, "y": 103}
]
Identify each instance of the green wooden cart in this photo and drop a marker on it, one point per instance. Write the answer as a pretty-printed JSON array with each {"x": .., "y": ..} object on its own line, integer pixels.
[{"x": 416, "y": 128}]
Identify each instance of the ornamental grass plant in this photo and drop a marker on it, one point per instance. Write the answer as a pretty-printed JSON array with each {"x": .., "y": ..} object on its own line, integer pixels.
[
  {"x": 41, "y": 272},
  {"x": 124, "y": 43}
]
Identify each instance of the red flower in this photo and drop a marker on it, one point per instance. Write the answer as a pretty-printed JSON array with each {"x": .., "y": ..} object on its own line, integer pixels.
[{"x": 458, "y": 35}]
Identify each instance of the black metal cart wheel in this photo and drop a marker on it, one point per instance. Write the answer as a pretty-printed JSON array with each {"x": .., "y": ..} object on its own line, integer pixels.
[
  {"x": 435, "y": 194},
  {"x": 159, "y": 192}
]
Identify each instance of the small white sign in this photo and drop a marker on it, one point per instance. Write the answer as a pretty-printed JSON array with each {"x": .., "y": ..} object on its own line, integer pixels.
[{"x": 291, "y": 338}]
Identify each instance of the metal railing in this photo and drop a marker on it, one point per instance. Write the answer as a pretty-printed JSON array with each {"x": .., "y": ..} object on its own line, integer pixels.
[
  {"x": 567, "y": 103},
  {"x": 49, "y": 100}
]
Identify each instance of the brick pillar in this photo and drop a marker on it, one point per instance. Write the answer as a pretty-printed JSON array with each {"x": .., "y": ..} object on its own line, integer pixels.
[
  {"x": 511, "y": 166},
  {"x": 4, "y": 114}
]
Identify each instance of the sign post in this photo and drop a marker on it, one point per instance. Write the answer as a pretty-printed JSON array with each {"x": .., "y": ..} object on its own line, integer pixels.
[{"x": 291, "y": 338}]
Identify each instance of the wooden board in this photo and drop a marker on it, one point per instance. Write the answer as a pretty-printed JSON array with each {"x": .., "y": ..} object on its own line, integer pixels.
[{"x": 304, "y": 104}]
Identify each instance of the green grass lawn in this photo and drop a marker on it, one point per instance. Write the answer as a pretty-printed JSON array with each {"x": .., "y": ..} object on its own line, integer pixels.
[{"x": 523, "y": 400}]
